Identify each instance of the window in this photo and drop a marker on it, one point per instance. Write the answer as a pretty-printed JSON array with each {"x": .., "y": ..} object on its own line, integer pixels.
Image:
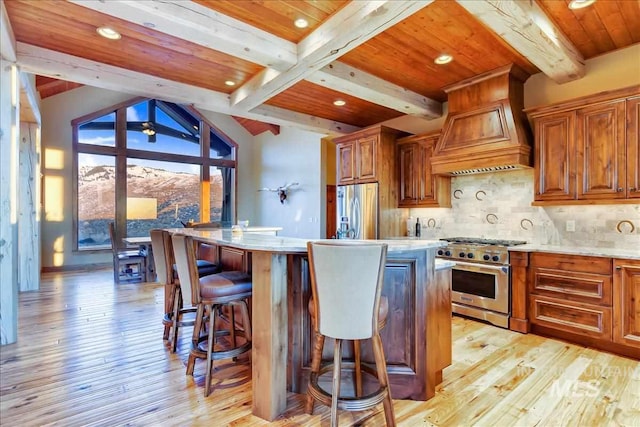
[
  {"x": 149, "y": 164},
  {"x": 96, "y": 199}
]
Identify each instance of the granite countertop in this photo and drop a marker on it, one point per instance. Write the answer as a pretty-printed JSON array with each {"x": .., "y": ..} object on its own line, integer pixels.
[
  {"x": 257, "y": 229},
  {"x": 443, "y": 264},
  {"x": 579, "y": 250},
  {"x": 263, "y": 242}
]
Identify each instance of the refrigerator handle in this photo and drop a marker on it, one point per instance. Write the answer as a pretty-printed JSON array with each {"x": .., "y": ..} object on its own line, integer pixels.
[{"x": 356, "y": 218}]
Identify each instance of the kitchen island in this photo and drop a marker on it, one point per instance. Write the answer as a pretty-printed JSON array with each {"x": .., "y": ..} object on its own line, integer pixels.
[{"x": 416, "y": 339}]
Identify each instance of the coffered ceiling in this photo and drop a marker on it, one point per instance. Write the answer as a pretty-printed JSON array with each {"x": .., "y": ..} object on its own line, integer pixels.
[{"x": 377, "y": 56}]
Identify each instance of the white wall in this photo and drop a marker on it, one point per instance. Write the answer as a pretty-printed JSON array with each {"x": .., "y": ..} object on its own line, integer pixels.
[
  {"x": 292, "y": 156},
  {"x": 614, "y": 70}
]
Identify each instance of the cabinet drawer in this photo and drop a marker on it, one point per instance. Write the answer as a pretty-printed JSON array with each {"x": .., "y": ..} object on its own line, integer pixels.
[
  {"x": 572, "y": 286},
  {"x": 584, "y": 319},
  {"x": 583, "y": 264}
]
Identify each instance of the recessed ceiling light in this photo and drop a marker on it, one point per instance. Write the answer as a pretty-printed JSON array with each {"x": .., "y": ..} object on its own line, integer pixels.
[
  {"x": 301, "y": 23},
  {"x": 109, "y": 33},
  {"x": 579, "y": 4},
  {"x": 339, "y": 102},
  {"x": 230, "y": 83},
  {"x": 443, "y": 59}
]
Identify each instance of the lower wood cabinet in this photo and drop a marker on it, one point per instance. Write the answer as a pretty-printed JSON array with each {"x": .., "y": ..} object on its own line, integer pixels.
[
  {"x": 626, "y": 302},
  {"x": 584, "y": 319},
  {"x": 571, "y": 293},
  {"x": 235, "y": 259},
  {"x": 592, "y": 301}
]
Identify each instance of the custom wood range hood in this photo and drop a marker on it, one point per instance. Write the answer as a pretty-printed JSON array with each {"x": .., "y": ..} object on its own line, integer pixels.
[{"x": 485, "y": 129}]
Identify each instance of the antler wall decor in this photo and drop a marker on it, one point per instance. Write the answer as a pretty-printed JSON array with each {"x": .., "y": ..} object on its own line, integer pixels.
[{"x": 282, "y": 191}]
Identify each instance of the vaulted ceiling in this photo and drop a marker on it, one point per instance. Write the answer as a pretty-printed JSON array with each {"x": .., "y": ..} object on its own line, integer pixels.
[{"x": 377, "y": 56}]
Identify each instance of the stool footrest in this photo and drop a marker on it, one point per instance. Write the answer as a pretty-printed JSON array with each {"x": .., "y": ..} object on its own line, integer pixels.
[
  {"x": 201, "y": 353},
  {"x": 347, "y": 403}
]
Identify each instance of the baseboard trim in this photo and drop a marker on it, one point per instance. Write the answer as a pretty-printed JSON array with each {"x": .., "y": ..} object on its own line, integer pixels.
[{"x": 65, "y": 268}]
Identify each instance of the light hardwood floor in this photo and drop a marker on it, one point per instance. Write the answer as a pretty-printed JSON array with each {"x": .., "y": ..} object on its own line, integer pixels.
[{"x": 91, "y": 353}]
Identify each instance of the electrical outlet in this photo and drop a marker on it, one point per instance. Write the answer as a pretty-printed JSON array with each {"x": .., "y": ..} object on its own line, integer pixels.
[{"x": 570, "y": 225}]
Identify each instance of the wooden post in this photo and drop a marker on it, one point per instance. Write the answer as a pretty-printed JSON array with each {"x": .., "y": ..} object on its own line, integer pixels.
[
  {"x": 29, "y": 208},
  {"x": 9, "y": 119},
  {"x": 270, "y": 336}
]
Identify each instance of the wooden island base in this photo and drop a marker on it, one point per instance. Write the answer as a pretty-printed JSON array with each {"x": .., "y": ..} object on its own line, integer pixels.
[
  {"x": 419, "y": 319},
  {"x": 416, "y": 338}
]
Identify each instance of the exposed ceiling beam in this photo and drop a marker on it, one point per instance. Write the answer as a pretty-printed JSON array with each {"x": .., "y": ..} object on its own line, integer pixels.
[
  {"x": 7, "y": 39},
  {"x": 344, "y": 78},
  {"x": 528, "y": 30},
  {"x": 50, "y": 63},
  {"x": 236, "y": 38},
  {"x": 28, "y": 87},
  {"x": 198, "y": 24},
  {"x": 351, "y": 26}
]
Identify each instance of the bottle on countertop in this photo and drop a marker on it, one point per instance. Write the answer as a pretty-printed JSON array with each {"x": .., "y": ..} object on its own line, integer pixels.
[
  {"x": 411, "y": 227},
  {"x": 418, "y": 227}
]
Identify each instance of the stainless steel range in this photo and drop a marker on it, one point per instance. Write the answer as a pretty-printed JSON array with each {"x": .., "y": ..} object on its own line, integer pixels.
[{"x": 481, "y": 277}]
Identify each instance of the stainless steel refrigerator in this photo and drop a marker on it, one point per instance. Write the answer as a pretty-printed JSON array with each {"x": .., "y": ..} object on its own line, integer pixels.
[{"x": 357, "y": 211}]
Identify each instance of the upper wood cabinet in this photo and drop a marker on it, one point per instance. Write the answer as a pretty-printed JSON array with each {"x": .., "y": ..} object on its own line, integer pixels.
[
  {"x": 626, "y": 302},
  {"x": 417, "y": 185},
  {"x": 633, "y": 147},
  {"x": 346, "y": 162},
  {"x": 600, "y": 150},
  {"x": 369, "y": 155},
  {"x": 586, "y": 151},
  {"x": 554, "y": 157},
  {"x": 361, "y": 154}
]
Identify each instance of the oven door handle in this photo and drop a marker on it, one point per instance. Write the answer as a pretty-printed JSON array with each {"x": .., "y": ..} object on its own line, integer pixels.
[{"x": 481, "y": 268}]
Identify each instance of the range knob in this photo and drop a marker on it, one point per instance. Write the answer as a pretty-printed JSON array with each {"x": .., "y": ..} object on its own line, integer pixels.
[
  {"x": 486, "y": 257},
  {"x": 448, "y": 253},
  {"x": 440, "y": 252},
  {"x": 496, "y": 258},
  {"x": 461, "y": 254},
  {"x": 469, "y": 255}
]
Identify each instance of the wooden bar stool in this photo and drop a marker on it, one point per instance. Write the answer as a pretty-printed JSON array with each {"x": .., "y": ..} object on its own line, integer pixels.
[
  {"x": 211, "y": 295},
  {"x": 346, "y": 286},
  {"x": 167, "y": 275}
]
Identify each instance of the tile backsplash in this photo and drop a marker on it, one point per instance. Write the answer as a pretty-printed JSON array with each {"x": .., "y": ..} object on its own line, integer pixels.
[{"x": 498, "y": 206}]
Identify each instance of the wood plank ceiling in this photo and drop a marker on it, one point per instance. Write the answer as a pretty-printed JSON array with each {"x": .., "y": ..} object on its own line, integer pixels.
[{"x": 380, "y": 60}]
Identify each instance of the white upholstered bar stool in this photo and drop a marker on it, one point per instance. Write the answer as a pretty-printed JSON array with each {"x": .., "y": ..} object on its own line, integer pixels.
[
  {"x": 210, "y": 294},
  {"x": 346, "y": 286}
]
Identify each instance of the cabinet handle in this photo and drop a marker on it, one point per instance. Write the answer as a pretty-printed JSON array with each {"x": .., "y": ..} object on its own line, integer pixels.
[
  {"x": 618, "y": 267},
  {"x": 625, "y": 221},
  {"x": 492, "y": 218},
  {"x": 632, "y": 189},
  {"x": 619, "y": 189}
]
